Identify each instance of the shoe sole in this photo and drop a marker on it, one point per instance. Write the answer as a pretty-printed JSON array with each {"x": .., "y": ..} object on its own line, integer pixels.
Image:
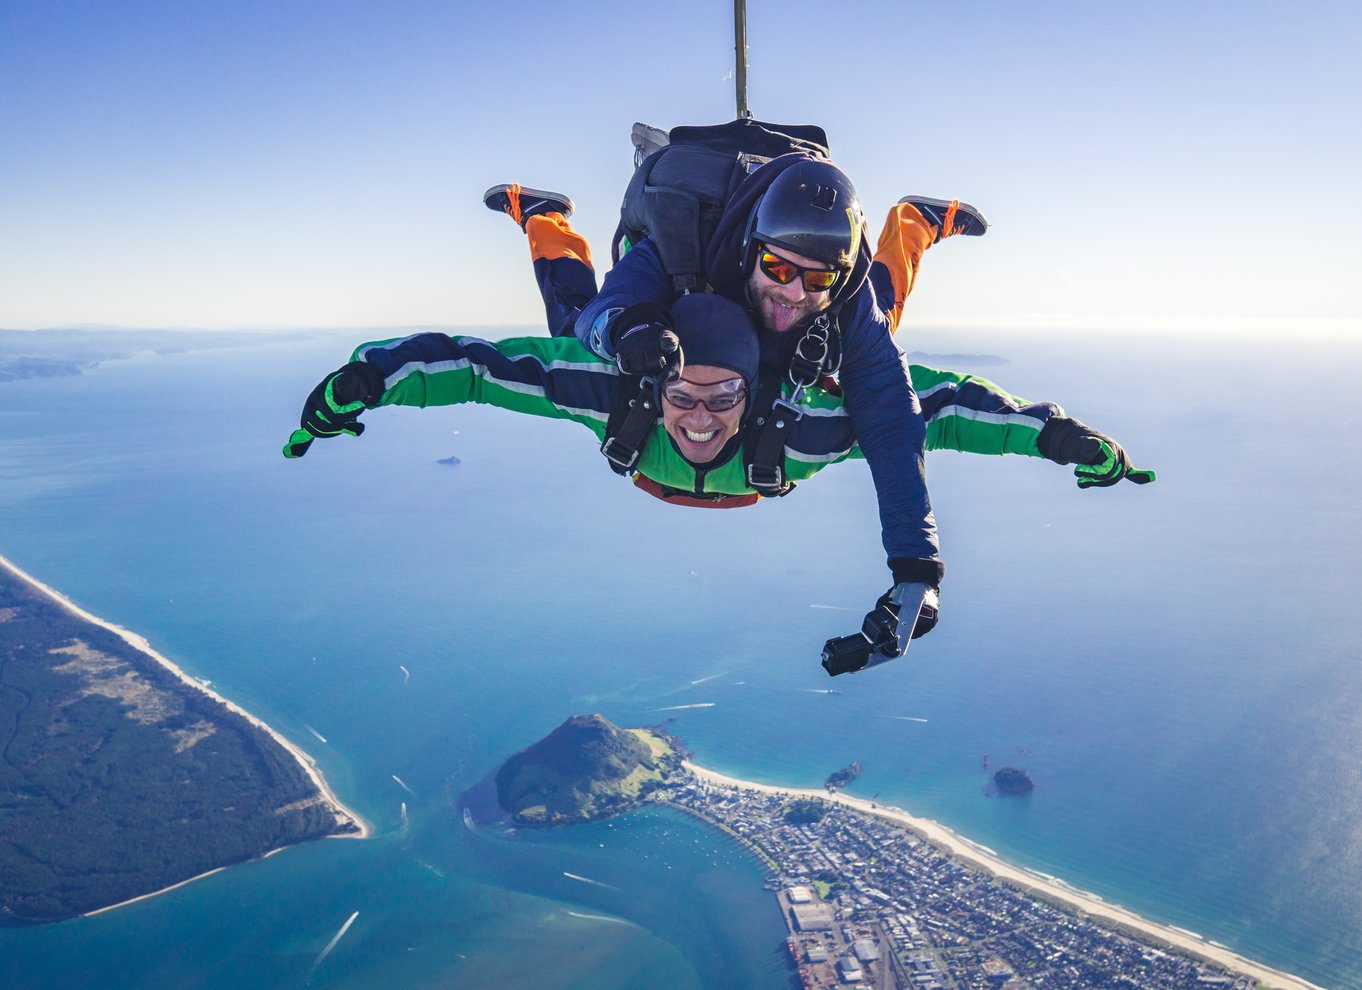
[
  {"x": 526, "y": 192},
  {"x": 944, "y": 204}
]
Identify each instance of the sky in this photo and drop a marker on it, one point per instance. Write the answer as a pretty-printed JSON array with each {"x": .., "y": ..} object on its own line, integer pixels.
[{"x": 181, "y": 163}]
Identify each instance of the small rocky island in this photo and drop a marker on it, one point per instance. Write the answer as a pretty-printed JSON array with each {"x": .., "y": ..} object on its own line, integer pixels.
[
  {"x": 1011, "y": 781},
  {"x": 836, "y": 781},
  {"x": 587, "y": 768}
]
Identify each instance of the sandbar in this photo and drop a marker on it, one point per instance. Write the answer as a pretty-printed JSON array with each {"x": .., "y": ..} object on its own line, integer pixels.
[{"x": 1048, "y": 887}]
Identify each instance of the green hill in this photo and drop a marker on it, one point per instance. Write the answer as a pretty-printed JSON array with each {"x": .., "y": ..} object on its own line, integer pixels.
[{"x": 585, "y": 769}]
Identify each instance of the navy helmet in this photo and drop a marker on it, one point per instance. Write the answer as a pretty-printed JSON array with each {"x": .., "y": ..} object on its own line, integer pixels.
[{"x": 811, "y": 209}]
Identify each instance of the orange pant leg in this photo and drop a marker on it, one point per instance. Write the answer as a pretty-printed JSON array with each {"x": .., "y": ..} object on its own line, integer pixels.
[
  {"x": 562, "y": 267},
  {"x": 905, "y": 238},
  {"x": 552, "y": 237}
]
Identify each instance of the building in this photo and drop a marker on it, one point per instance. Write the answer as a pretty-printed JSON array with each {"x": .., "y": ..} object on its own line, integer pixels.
[
  {"x": 812, "y": 917},
  {"x": 850, "y": 970}
]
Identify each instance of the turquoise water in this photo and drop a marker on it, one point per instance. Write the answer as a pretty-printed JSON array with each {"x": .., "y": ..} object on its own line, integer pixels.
[{"x": 1176, "y": 665}]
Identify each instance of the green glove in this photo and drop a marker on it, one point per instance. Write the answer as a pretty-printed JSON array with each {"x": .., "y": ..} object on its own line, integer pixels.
[
  {"x": 1101, "y": 461},
  {"x": 333, "y": 407},
  {"x": 1114, "y": 465}
]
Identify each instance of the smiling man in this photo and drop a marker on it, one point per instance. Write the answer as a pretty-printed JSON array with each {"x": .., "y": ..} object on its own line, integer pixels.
[
  {"x": 701, "y": 420},
  {"x": 693, "y": 450}
]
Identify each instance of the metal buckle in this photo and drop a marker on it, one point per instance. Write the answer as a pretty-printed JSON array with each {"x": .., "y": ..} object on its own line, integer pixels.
[
  {"x": 790, "y": 403},
  {"x": 776, "y": 477},
  {"x": 817, "y": 336},
  {"x": 619, "y": 461}
]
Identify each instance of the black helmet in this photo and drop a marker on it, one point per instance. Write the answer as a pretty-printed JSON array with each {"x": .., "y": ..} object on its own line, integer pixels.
[{"x": 812, "y": 209}]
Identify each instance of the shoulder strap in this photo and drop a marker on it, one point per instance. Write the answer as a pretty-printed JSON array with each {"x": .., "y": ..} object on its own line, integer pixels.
[
  {"x": 768, "y": 424},
  {"x": 817, "y": 355},
  {"x": 632, "y": 419}
]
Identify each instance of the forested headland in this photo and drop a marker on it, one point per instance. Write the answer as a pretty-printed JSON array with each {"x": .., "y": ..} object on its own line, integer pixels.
[{"x": 118, "y": 779}]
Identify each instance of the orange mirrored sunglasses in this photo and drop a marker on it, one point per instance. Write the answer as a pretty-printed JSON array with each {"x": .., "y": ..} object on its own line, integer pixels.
[{"x": 783, "y": 272}]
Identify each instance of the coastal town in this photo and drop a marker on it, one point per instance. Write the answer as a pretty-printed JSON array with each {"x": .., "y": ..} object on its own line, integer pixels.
[{"x": 871, "y": 905}]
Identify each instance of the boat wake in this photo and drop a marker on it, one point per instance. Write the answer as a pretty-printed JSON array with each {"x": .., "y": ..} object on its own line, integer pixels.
[{"x": 594, "y": 883}]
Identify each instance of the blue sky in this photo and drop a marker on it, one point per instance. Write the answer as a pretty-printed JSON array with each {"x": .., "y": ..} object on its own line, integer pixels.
[{"x": 1190, "y": 164}]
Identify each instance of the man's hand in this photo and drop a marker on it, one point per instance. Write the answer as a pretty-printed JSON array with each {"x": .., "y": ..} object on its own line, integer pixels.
[
  {"x": 645, "y": 343},
  {"x": 894, "y": 631},
  {"x": 886, "y": 632},
  {"x": 333, "y": 407},
  {"x": 1101, "y": 461}
]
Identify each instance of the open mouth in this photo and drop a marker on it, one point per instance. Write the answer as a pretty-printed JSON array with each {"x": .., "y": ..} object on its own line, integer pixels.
[
  {"x": 783, "y": 317},
  {"x": 694, "y": 437}
]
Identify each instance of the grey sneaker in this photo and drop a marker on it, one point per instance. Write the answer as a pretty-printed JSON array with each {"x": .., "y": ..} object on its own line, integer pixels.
[
  {"x": 647, "y": 139},
  {"x": 950, "y": 215},
  {"x": 521, "y": 202}
]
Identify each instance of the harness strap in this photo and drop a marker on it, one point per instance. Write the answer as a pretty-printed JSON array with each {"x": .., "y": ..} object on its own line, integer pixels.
[
  {"x": 764, "y": 451},
  {"x": 817, "y": 356},
  {"x": 632, "y": 419}
]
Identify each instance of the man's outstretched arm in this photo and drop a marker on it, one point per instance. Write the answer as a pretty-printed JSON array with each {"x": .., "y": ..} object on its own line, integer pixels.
[
  {"x": 972, "y": 414},
  {"x": 539, "y": 376}
]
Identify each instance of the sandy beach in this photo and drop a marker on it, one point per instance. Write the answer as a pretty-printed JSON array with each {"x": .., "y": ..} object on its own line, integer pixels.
[
  {"x": 342, "y": 813},
  {"x": 1051, "y": 888}
]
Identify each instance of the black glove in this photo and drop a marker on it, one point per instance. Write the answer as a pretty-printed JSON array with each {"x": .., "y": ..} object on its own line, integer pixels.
[
  {"x": 645, "y": 343},
  {"x": 1102, "y": 462},
  {"x": 333, "y": 407},
  {"x": 885, "y": 618},
  {"x": 883, "y": 635}
]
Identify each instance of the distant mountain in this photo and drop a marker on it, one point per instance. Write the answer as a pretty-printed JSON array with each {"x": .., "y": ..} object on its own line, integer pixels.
[
  {"x": 65, "y": 352},
  {"x": 955, "y": 360},
  {"x": 585, "y": 769}
]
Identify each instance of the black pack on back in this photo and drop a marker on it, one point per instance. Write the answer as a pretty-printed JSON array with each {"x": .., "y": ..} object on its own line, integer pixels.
[{"x": 679, "y": 192}]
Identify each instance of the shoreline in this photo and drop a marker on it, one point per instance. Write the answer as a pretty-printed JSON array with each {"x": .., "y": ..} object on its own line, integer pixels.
[
  {"x": 1033, "y": 881},
  {"x": 343, "y": 814}
]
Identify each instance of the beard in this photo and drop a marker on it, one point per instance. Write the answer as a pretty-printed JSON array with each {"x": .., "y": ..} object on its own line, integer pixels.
[{"x": 775, "y": 316}]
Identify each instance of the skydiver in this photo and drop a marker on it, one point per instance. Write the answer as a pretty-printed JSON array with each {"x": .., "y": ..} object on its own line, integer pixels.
[
  {"x": 693, "y": 453},
  {"x": 790, "y": 261},
  {"x": 783, "y": 289},
  {"x": 773, "y": 249}
]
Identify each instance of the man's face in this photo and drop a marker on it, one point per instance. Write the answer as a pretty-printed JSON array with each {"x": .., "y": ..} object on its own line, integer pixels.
[
  {"x": 700, "y": 433},
  {"x": 785, "y": 307}
]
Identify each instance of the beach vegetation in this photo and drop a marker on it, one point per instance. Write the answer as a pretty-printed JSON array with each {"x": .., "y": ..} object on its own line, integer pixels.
[{"x": 805, "y": 811}]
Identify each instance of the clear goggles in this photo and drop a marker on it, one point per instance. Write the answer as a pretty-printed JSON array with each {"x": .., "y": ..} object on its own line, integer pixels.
[{"x": 719, "y": 397}]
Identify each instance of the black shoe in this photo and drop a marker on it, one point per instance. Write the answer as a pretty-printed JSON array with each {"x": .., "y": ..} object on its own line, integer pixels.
[
  {"x": 521, "y": 202},
  {"x": 950, "y": 216}
]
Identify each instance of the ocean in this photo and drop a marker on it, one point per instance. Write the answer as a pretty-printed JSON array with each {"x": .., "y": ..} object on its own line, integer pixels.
[{"x": 1175, "y": 665}]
